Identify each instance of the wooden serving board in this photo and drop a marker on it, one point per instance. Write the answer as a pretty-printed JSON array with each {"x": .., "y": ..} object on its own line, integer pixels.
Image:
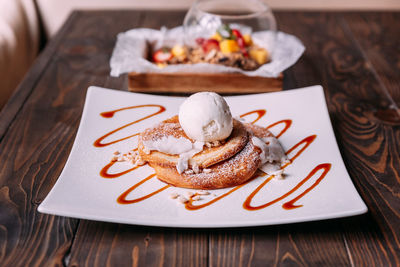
[{"x": 226, "y": 83}]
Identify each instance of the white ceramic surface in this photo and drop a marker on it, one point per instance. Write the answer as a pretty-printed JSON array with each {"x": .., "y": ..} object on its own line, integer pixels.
[{"x": 81, "y": 192}]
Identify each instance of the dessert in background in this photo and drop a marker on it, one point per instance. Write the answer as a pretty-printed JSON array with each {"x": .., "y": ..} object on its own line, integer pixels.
[
  {"x": 205, "y": 148},
  {"x": 226, "y": 46}
]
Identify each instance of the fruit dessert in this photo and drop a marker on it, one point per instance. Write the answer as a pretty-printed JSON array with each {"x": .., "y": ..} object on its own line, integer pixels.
[
  {"x": 205, "y": 148},
  {"x": 227, "y": 47}
]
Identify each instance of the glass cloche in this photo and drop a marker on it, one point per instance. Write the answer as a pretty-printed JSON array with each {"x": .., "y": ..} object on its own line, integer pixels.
[{"x": 231, "y": 25}]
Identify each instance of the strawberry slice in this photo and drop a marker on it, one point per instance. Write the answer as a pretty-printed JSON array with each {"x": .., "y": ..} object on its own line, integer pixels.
[
  {"x": 237, "y": 33},
  {"x": 200, "y": 41},
  {"x": 240, "y": 41},
  {"x": 209, "y": 45},
  {"x": 162, "y": 55}
]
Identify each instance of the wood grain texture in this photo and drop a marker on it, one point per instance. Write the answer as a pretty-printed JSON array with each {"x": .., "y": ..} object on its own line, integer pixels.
[
  {"x": 32, "y": 156},
  {"x": 354, "y": 64},
  {"x": 368, "y": 144},
  {"x": 223, "y": 83},
  {"x": 123, "y": 245},
  {"x": 305, "y": 244},
  {"x": 379, "y": 40}
]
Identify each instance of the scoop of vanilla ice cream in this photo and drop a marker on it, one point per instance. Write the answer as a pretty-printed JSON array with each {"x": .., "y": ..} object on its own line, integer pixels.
[{"x": 206, "y": 117}]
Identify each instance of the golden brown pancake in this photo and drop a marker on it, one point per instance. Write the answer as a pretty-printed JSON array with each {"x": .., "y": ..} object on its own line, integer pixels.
[
  {"x": 231, "y": 172},
  {"x": 258, "y": 131},
  {"x": 208, "y": 157}
]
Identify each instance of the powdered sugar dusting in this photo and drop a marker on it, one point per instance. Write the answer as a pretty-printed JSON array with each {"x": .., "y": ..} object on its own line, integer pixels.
[
  {"x": 233, "y": 169},
  {"x": 272, "y": 156},
  {"x": 163, "y": 130}
]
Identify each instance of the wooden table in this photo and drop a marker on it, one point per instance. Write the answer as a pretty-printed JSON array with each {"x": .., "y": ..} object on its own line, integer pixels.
[{"x": 356, "y": 58}]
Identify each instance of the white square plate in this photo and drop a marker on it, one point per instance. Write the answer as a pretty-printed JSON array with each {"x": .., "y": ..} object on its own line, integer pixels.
[{"x": 81, "y": 191}]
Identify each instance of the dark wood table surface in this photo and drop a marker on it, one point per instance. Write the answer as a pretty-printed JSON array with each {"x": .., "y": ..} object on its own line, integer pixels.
[{"x": 356, "y": 58}]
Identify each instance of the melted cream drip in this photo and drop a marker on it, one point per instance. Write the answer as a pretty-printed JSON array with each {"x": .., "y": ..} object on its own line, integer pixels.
[
  {"x": 272, "y": 155},
  {"x": 169, "y": 145},
  {"x": 175, "y": 146},
  {"x": 183, "y": 161}
]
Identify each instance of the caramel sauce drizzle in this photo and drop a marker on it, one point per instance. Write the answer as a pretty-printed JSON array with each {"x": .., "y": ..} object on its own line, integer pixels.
[
  {"x": 122, "y": 198},
  {"x": 110, "y": 114},
  {"x": 290, "y": 204},
  {"x": 287, "y": 123},
  {"x": 247, "y": 203},
  {"x": 305, "y": 142},
  {"x": 260, "y": 113},
  {"x": 104, "y": 171},
  {"x": 190, "y": 206},
  {"x": 105, "y": 174}
]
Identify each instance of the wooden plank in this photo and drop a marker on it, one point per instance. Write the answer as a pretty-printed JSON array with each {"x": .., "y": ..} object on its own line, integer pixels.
[
  {"x": 379, "y": 39},
  {"x": 306, "y": 244},
  {"x": 244, "y": 247},
  {"x": 224, "y": 83},
  {"x": 100, "y": 244},
  {"x": 380, "y": 43},
  {"x": 368, "y": 144},
  {"x": 31, "y": 158}
]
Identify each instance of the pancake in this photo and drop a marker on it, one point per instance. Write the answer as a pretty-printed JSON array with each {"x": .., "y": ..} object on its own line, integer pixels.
[
  {"x": 231, "y": 172},
  {"x": 258, "y": 131},
  {"x": 230, "y": 164},
  {"x": 208, "y": 157}
]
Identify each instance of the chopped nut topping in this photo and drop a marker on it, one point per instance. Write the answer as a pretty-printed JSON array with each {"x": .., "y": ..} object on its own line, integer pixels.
[
  {"x": 173, "y": 195},
  {"x": 196, "y": 168},
  {"x": 182, "y": 199},
  {"x": 189, "y": 194},
  {"x": 146, "y": 150},
  {"x": 196, "y": 198},
  {"x": 140, "y": 162},
  {"x": 203, "y": 192},
  {"x": 279, "y": 175},
  {"x": 216, "y": 143}
]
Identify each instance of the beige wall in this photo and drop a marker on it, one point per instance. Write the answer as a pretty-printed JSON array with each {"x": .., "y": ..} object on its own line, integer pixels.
[
  {"x": 335, "y": 4},
  {"x": 54, "y": 12},
  {"x": 19, "y": 42}
]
